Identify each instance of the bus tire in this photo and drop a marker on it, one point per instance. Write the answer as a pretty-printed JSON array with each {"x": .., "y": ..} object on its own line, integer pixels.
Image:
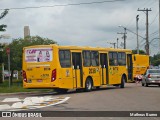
[
  {"x": 122, "y": 82},
  {"x": 58, "y": 90},
  {"x": 79, "y": 90},
  {"x": 98, "y": 87},
  {"x": 116, "y": 85},
  {"x": 88, "y": 85}
]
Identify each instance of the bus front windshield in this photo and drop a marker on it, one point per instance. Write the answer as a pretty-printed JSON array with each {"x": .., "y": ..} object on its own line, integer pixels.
[{"x": 36, "y": 55}]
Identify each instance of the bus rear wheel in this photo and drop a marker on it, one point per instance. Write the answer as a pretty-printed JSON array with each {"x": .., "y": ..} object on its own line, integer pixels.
[
  {"x": 122, "y": 82},
  {"x": 88, "y": 85}
]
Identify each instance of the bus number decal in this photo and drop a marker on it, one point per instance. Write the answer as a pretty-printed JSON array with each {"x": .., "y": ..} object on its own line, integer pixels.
[
  {"x": 44, "y": 76},
  {"x": 113, "y": 70},
  {"x": 92, "y": 70}
]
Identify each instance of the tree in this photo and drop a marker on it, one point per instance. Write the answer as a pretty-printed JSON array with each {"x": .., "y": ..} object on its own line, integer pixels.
[
  {"x": 155, "y": 60},
  {"x": 16, "y": 49},
  {"x": 2, "y": 28},
  {"x": 3, "y": 14}
]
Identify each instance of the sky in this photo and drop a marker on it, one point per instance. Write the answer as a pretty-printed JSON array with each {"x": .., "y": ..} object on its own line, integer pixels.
[{"x": 93, "y": 25}]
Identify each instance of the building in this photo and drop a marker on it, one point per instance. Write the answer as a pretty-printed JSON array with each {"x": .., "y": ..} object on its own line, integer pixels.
[{"x": 26, "y": 31}]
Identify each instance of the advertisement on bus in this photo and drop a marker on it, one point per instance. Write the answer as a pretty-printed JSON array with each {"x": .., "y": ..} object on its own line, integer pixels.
[{"x": 38, "y": 55}]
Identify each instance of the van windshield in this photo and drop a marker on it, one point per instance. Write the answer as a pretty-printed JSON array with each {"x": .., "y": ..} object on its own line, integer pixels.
[
  {"x": 38, "y": 55},
  {"x": 154, "y": 71}
]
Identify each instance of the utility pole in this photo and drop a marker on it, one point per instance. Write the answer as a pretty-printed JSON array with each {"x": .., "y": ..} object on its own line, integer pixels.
[
  {"x": 124, "y": 37},
  {"x": 147, "y": 35},
  {"x": 117, "y": 42},
  {"x": 114, "y": 44},
  {"x": 137, "y": 33},
  {"x": 8, "y": 54}
]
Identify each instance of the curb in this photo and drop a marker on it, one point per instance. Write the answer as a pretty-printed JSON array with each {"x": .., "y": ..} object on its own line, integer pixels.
[{"x": 17, "y": 93}]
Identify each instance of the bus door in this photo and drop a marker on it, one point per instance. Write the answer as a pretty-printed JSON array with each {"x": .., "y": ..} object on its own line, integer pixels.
[
  {"x": 130, "y": 66},
  {"x": 104, "y": 68},
  {"x": 77, "y": 69}
]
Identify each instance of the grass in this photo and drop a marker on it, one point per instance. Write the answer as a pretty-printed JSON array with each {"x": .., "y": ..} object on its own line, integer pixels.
[{"x": 17, "y": 86}]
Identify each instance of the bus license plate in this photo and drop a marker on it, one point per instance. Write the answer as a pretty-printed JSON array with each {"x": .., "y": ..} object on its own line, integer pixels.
[{"x": 39, "y": 80}]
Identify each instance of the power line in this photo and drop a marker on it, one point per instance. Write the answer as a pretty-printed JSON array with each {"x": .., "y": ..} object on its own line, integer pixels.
[
  {"x": 144, "y": 4},
  {"x": 149, "y": 2},
  {"x": 154, "y": 33},
  {"x": 154, "y": 19},
  {"x": 135, "y": 33},
  {"x": 147, "y": 36},
  {"x": 62, "y": 5},
  {"x": 143, "y": 44},
  {"x": 154, "y": 39}
]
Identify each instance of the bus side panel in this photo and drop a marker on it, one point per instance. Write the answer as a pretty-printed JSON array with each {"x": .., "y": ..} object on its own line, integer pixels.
[
  {"x": 85, "y": 75},
  {"x": 94, "y": 73},
  {"x": 117, "y": 67},
  {"x": 113, "y": 70},
  {"x": 140, "y": 64},
  {"x": 122, "y": 71},
  {"x": 115, "y": 74},
  {"x": 39, "y": 74},
  {"x": 66, "y": 78}
]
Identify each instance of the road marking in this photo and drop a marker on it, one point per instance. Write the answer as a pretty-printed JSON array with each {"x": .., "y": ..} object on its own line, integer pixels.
[
  {"x": 33, "y": 103},
  {"x": 11, "y": 100},
  {"x": 5, "y": 107}
]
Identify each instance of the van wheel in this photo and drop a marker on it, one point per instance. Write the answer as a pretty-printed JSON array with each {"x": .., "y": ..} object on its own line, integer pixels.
[
  {"x": 58, "y": 90},
  {"x": 88, "y": 85},
  {"x": 145, "y": 84},
  {"x": 122, "y": 82}
]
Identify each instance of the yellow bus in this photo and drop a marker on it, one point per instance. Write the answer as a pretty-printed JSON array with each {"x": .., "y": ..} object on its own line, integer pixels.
[
  {"x": 74, "y": 67},
  {"x": 140, "y": 65}
]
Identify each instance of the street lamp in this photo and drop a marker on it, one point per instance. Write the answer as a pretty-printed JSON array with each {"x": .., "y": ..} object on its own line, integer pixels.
[
  {"x": 117, "y": 42},
  {"x": 137, "y": 18}
]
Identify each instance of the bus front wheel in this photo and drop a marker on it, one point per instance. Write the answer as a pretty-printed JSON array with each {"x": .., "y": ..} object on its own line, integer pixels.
[
  {"x": 88, "y": 85},
  {"x": 122, "y": 82}
]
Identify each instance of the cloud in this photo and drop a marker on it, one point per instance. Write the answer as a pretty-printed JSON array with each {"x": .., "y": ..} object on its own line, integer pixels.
[{"x": 91, "y": 25}]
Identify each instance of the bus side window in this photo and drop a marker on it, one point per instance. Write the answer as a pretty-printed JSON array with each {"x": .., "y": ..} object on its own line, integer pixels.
[
  {"x": 95, "y": 58},
  {"x": 121, "y": 58},
  {"x": 65, "y": 58},
  {"x": 86, "y": 58},
  {"x": 113, "y": 59}
]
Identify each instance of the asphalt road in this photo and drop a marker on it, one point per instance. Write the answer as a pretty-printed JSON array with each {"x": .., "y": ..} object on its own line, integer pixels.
[{"x": 133, "y": 97}]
